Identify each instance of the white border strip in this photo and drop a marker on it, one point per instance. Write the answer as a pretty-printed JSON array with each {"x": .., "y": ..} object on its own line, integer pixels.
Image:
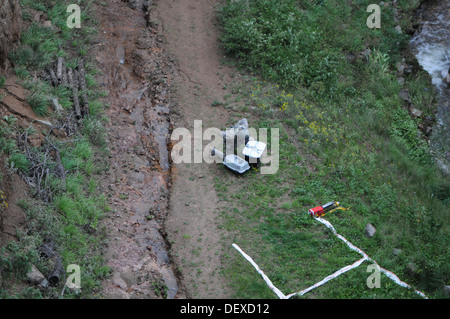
[
  {"x": 280, "y": 295},
  {"x": 266, "y": 279},
  {"x": 389, "y": 274},
  {"x": 326, "y": 279},
  {"x": 349, "y": 244}
]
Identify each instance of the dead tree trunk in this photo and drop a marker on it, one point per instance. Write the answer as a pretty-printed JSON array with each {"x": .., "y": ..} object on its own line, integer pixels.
[
  {"x": 72, "y": 76},
  {"x": 83, "y": 88},
  {"x": 64, "y": 75},
  {"x": 52, "y": 75},
  {"x": 59, "y": 69}
]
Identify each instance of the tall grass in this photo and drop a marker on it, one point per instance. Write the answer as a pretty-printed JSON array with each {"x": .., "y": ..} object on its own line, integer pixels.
[{"x": 39, "y": 46}]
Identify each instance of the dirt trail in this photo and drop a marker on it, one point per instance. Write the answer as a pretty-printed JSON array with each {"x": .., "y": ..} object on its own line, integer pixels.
[
  {"x": 137, "y": 75},
  {"x": 192, "y": 223},
  {"x": 162, "y": 68}
]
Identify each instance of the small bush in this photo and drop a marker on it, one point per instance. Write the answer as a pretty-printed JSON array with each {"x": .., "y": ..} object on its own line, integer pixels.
[
  {"x": 14, "y": 261},
  {"x": 95, "y": 131},
  {"x": 7, "y": 143},
  {"x": 39, "y": 103},
  {"x": 277, "y": 40},
  {"x": 39, "y": 46},
  {"x": 19, "y": 161}
]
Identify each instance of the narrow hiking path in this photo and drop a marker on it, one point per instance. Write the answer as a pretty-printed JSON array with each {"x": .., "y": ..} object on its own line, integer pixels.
[
  {"x": 162, "y": 67},
  {"x": 192, "y": 225}
]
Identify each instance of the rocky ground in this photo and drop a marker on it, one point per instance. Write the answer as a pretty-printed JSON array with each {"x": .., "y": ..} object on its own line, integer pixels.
[
  {"x": 159, "y": 64},
  {"x": 137, "y": 75}
]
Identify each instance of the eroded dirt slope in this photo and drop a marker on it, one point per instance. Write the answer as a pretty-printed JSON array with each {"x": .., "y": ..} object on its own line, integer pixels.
[
  {"x": 193, "y": 221},
  {"x": 160, "y": 65},
  {"x": 137, "y": 76}
]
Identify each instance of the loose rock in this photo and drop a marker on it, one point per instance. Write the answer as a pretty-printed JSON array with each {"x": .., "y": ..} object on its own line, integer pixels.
[
  {"x": 36, "y": 277},
  {"x": 370, "y": 230},
  {"x": 129, "y": 278},
  {"x": 415, "y": 112}
]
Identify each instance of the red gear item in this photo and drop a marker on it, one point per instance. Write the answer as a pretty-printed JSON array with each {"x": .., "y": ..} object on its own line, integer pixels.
[{"x": 316, "y": 211}]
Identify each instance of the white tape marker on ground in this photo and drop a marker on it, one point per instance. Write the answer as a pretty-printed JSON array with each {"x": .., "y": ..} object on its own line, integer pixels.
[
  {"x": 337, "y": 273},
  {"x": 389, "y": 274},
  {"x": 266, "y": 279},
  {"x": 280, "y": 295}
]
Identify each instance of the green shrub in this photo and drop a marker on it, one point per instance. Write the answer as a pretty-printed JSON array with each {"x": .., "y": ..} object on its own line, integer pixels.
[
  {"x": 19, "y": 161},
  {"x": 38, "y": 47},
  {"x": 404, "y": 130},
  {"x": 39, "y": 103},
  {"x": 94, "y": 131},
  {"x": 7, "y": 143},
  {"x": 15, "y": 262},
  {"x": 276, "y": 39}
]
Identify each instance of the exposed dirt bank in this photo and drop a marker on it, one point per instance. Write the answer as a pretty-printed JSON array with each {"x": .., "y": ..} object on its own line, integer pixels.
[
  {"x": 138, "y": 76},
  {"x": 146, "y": 87},
  {"x": 192, "y": 223},
  {"x": 11, "y": 26}
]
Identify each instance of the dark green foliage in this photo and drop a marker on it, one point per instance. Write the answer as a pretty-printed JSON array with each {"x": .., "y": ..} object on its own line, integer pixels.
[{"x": 39, "y": 46}]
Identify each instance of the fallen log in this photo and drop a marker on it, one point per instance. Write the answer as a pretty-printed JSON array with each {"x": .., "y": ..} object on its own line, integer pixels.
[
  {"x": 59, "y": 69},
  {"x": 52, "y": 74},
  {"x": 76, "y": 84},
  {"x": 73, "y": 84},
  {"x": 49, "y": 250},
  {"x": 64, "y": 75},
  {"x": 83, "y": 88}
]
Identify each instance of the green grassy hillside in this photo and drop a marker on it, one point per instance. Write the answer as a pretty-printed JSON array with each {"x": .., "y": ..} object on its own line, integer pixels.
[{"x": 330, "y": 84}]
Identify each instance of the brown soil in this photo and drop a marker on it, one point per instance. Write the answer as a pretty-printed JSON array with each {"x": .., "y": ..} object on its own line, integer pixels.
[
  {"x": 11, "y": 217},
  {"x": 137, "y": 75},
  {"x": 192, "y": 224},
  {"x": 171, "y": 69}
]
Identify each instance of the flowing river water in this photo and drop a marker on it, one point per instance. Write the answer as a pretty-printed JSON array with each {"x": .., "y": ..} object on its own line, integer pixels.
[{"x": 431, "y": 46}]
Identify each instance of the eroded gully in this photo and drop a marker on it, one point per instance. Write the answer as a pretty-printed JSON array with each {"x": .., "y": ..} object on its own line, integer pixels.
[{"x": 137, "y": 76}]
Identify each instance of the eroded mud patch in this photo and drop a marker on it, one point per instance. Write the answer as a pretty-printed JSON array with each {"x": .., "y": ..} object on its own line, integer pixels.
[{"x": 137, "y": 75}]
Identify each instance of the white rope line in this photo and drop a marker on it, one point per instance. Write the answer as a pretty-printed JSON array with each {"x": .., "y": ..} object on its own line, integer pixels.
[
  {"x": 397, "y": 280},
  {"x": 326, "y": 279},
  {"x": 280, "y": 295},
  {"x": 349, "y": 244},
  {"x": 388, "y": 273},
  {"x": 266, "y": 279}
]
